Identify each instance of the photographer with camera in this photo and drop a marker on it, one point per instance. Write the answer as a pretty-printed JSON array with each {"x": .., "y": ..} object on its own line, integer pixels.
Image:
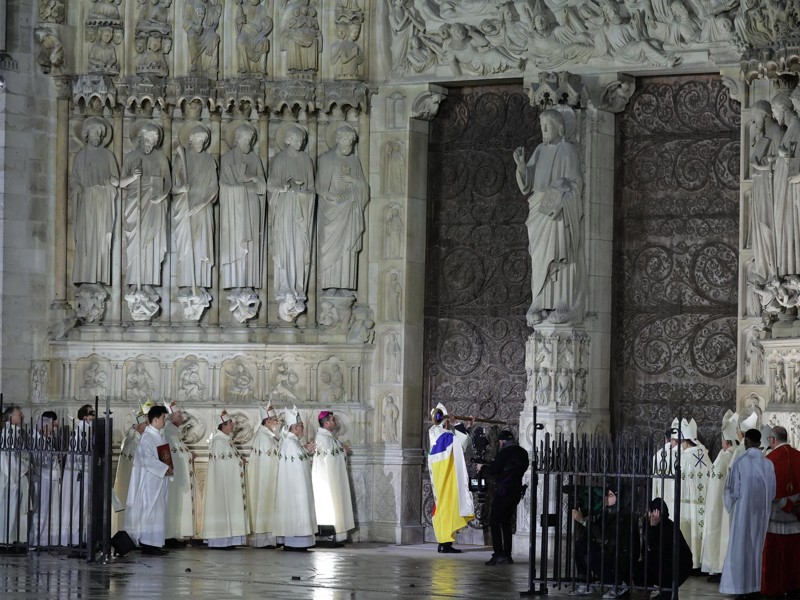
[{"x": 507, "y": 470}]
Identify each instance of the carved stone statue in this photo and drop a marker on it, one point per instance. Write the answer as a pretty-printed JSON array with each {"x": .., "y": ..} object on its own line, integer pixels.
[
  {"x": 346, "y": 55},
  {"x": 564, "y": 383},
  {"x": 394, "y": 168},
  {"x": 553, "y": 179},
  {"x": 361, "y": 325},
  {"x": 393, "y": 244},
  {"x": 302, "y": 39},
  {"x": 780, "y": 394},
  {"x": 543, "y": 384},
  {"x": 95, "y": 181},
  {"x": 785, "y": 165},
  {"x": 195, "y": 190},
  {"x": 390, "y": 415},
  {"x": 200, "y": 22},
  {"x": 411, "y": 48},
  {"x": 253, "y": 26},
  {"x": 242, "y": 205},
  {"x": 391, "y": 371},
  {"x": 51, "y": 50},
  {"x": 102, "y": 54},
  {"x": 153, "y": 37},
  {"x": 291, "y": 214},
  {"x": 146, "y": 183},
  {"x": 762, "y": 159},
  {"x": 343, "y": 195},
  {"x": 394, "y": 298}
]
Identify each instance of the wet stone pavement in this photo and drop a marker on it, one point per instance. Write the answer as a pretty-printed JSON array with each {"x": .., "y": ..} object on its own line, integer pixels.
[{"x": 357, "y": 571}]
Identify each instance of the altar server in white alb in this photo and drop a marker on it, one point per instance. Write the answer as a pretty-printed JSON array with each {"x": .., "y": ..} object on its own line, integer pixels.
[
  {"x": 127, "y": 452},
  {"x": 146, "y": 508},
  {"x": 181, "y": 500},
  {"x": 45, "y": 477},
  {"x": 717, "y": 519},
  {"x": 262, "y": 478},
  {"x": 76, "y": 481},
  {"x": 695, "y": 469},
  {"x": 225, "y": 522},
  {"x": 334, "y": 505},
  {"x": 14, "y": 467},
  {"x": 295, "y": 517}
]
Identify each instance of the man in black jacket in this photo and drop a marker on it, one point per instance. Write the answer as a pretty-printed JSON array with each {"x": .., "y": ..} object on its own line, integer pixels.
[
  {"x": 507, "y": 470},
  {"x": 658, "y": 531}
]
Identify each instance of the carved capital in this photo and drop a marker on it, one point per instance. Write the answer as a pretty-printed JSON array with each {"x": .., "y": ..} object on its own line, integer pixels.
[
  {"x": 293, "y": 95},
  {"x": 242, "y": 96},
  {"x": 92, "y": 93},
  {"x": 558, "y": 87},
  {"x": 341, "y": 97},
  {"x": 142, "y": 94}
]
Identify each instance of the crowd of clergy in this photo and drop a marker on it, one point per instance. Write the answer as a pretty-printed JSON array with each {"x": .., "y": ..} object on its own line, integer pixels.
[
  {"x": 740, "y": 514},
  {"x": 284, "y": 494}
]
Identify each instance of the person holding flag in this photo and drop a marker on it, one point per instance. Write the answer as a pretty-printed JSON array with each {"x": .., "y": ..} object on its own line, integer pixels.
[{"x": 449, "y": 479}]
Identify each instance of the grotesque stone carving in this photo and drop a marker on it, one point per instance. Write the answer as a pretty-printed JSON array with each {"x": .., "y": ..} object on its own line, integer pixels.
[
  {"x": 242, "y": 198},
  {"x": 145, "y": 183},
  {"x": 51, "y": 50},
  {"x": 90, "y": 302},
  {"x": 617, "y": 93},
  {"x": 200, "y": 22},
  {"x": 291, "y": 216},
  {"x": 253, "y": 26},
  {"x": 94, "y": 183},
  {"x": 553, "y": 178},
  {"x": 302, "y": 39},
  {"x": 195, "y": 190},
  {"x": 426, "y": 105},
  {"x": 343, "y": 195}
]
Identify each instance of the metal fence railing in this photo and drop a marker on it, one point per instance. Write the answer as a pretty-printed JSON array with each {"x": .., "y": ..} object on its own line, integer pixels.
[
  {"x": 584, "y": 539},
  {"x": 55, "y": 485}
]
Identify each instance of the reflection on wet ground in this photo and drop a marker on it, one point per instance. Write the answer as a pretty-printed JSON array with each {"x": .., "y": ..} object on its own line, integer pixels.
[{"x": 358, "y": 571}]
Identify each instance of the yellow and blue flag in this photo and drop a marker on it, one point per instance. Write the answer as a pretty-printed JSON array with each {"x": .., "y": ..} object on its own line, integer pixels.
[{"x": 450, "y": 481}]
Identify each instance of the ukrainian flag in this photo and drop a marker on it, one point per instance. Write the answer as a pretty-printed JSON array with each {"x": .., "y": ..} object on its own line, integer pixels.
[{"x": 453, "y": 509}]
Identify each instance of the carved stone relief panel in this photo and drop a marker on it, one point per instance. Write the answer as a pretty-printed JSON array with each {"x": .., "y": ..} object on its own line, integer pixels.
[
  {"x": 142, "y": 380},
  {"x": 393, "y": 168},
  {"x": 676, "y": 258},
  {"x": 333, "y": 382},
  {"x": 93, "y": 378},
  {"x": 191, "y": 380},
  {"x": 394, "y": 232},
  {"x": 239, "y": 381},
  {"x": 284, "y": 384},
  {"x": 477, "y": 262}
]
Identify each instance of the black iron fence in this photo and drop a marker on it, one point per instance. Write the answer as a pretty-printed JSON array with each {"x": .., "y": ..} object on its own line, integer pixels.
[
  {"x": 591, "y": 523},
  {"x": 55, "y": 485}
]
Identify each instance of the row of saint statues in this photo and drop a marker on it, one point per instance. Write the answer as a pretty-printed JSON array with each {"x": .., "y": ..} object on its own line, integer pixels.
[
  {"x": 332, "y": 198},
  {"x": 774, "y": 228}
]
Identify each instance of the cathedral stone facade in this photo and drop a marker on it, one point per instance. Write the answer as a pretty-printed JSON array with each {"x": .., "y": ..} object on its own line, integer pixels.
[{"x": 371, "y": 206}]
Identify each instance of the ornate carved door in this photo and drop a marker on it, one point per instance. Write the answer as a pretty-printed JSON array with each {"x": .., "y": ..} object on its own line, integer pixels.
[
  {"x": 676, "y": 256},
  {"x": 477, "y": 275}
]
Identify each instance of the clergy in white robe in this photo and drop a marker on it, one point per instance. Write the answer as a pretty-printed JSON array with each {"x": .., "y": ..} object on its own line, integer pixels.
[
  {"x": 146, "y": 506},
  {"x": 76, "y": 481},
  {"x": 181, "y": 499},
  {"x": 14, "y": 468},
  {"x": 225, "y": 522},
  {"x": 695, "y": 469},
  {"x": 122, "y": 478},
  {"x": 717, "y": 520},
  {"x": 748, "y": 498},
  {"x": 295, "y": 515},
  {"x": 46, "y": 474},
  {"x": 332, "y": 500},
  {"x": 664, "y": 468},
  {"x": 262, "y": 478}
]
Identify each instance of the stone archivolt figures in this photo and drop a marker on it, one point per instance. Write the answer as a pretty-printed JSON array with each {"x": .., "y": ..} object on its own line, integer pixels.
[
  {"x": 302, "y": 39},
  {"x": 291, "y": 215},
  {"x": 200, "y": 21},
  {"x": 195, "y": 189},
  {"x": 253, "y": 26},
  {"x": 146, "y": 183},
  {"x": 553, "y": 179},
  {"x": 242, "y": 192},
  {"x": 343, "y": 194}
]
